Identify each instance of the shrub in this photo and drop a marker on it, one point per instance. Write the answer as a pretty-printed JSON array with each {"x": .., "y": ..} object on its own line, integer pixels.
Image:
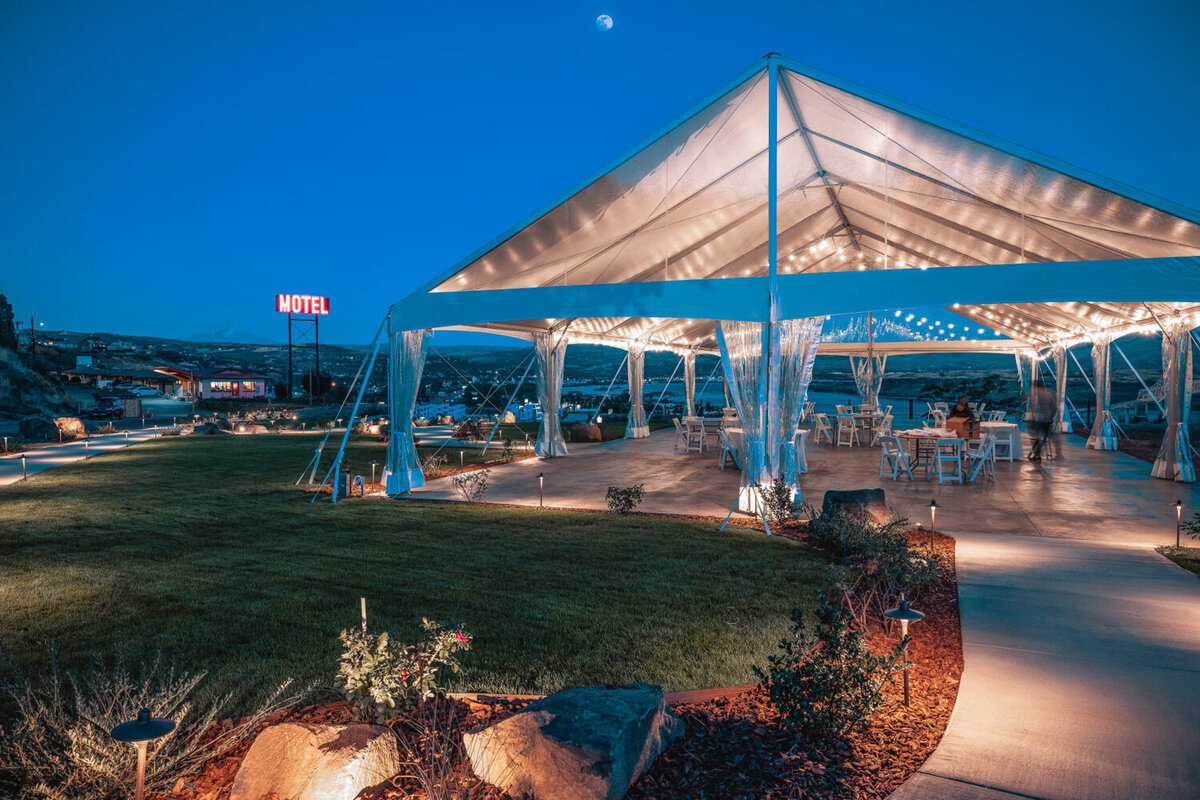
[
  {"x": 1192, "y": 526},
  {"x": 877, "y": 558},
  {"x": 59, "y": 746},
  {"x": 507, "y": 453},
  {"x": 173, "y": 430},
  {"x": 829, "y": 682},
  {"x": 622, "y": 501},
  {"x": 470, "y": 429},
  {"x": 107, "y": 427},
  {"x": 472, "y": 486},
  {"x": 433, "y": 754},
  {"x": 779, "y": 501},
  {"x": 434, "y": 463},
  {"x": 383, "y": 677}
]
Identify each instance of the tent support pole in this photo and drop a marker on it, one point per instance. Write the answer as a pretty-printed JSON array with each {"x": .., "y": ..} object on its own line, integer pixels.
[
  {"x": 511, "y": 397},
  {"x": 664, "y": 391},
  {"x": 600, "y": 405},
  {"x": 362, "y": 389},
  {"x": 1137, "y": 375}
]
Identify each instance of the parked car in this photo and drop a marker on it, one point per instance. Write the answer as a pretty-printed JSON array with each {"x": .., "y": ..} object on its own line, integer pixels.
[
  {"x": 103, "y": 410},
  {"x": 144, "y": 391}
]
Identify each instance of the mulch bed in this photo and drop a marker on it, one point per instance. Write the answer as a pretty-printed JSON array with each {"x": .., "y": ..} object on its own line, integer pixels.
[{"x": 735, "y": 747}]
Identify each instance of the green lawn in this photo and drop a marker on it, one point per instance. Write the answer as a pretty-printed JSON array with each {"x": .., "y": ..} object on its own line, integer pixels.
[
  {"x": 1186, "y": 557},
  {"x": 202, "y": 545}
]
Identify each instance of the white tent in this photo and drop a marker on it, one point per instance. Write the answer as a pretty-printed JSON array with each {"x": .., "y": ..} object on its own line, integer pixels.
[{"x": 790, "y": 194}]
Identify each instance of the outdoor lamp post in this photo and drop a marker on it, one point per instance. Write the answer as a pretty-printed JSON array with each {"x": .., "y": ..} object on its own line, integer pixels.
[
  {"x": 141, "y": 731},
  {"x": 906, "y": 615},
  {"x": 85, "y": 448},
  {"x": 373, "y": 465},
  {"x": 127, "y": 436},
  {"x": 24, "y": 472},
  {"x": 541, "y": 490},
  {"x": 932, "y": 521},
  {"x": 1178, "y": 520}
]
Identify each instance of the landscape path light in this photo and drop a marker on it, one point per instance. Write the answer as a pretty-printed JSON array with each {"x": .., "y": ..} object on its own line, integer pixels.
[
  {"x": 141, "y": 731},
  {"x": 374, "y": 464},
  {"x": 541, "y": 490},
  {"x": 24, "y": 471},
  {"x": 906, "y": 615},
  {"x": 932, "y": 521},
  {"x": 1178, "y": 520},
  {"x": 85, "y": 448}
]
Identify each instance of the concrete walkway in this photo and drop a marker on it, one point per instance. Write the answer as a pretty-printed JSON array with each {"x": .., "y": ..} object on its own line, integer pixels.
[
  {"x": 1082, "y": 675},
  {"x": 55, "y": 455}
]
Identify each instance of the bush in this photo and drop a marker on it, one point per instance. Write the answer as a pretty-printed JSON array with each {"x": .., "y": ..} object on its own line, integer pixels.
[
  {"x": 434, "y": 463},
  {"x": 470, "y": 429},
  {"x": 173, "y": 430},
  {"x": 779, "y": 501},
  {"x": 471, "y": 486},
  {"x": 383, "y": 677},
  {"x": 622, "y": 501},
  {"x": 507, "y": 453},
  {"x": 829, "y": 682},
  {"x": 878, "y": 561},
  {"x": 59, "y": 744},
  {"x": 107, "y": 427}
]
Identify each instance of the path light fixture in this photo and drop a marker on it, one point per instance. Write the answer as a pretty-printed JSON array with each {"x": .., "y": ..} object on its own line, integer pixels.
[
  {"x": 1178, "y": 520},
  {"x": 127, "y": 436},
  {"x": 374, "y": 464},
  {"x": 906, "y": 615},
  {"x": 541, "y": 490},
  {"x": 85, "y": 448},
  {"x": 932, "y": 521},
  {"x": 24, "y": 471},
  {"x": 460, "y": 459},
  {"x": 141, "y": 731},
  {"x": 6, "y": 444}
]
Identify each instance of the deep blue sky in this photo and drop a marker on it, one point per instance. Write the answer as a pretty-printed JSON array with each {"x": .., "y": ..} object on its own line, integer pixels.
[{"x": 165, "y": 166}]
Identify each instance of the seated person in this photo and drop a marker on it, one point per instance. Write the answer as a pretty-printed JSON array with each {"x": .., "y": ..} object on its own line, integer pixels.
[{"x": 962, "y": 410}]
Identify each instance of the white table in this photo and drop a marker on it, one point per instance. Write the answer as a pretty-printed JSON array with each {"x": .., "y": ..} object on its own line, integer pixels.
[{"x": 1005, "y": 432}]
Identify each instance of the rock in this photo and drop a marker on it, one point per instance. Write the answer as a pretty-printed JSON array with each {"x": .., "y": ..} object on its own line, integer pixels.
[
  {"x": 580, "y": 744},
  {"x": 869, "y": 503},
  {"x": 508, "y": 418},
  {"x": 207, "y": 428},
  {"x": 256, "y": 428},
  {"x": 297, "y": 761},
  {"x": 38, "y": 429},
  {"x": 224, "y": 424},
  {"x": 585, "y": 432},
  {"x": 71, "y": 428}
]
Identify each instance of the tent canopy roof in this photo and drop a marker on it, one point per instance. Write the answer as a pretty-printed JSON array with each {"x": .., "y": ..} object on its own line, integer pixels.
[{"x": 865, "y": 184}]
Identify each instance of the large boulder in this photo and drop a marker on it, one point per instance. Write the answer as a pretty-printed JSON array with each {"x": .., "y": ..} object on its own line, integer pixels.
[
  {"x": 585, "y": 432},
  {"x": 71, "y": 428},
  {"x": 38, "y": 429},
  {"x": 208, "y": 428},
  {"x": 580, "y": 744},
  {"x": 295, "y": 761},
  {"x": 868, "y": 503},
  {"x": 508, "y": 418}
]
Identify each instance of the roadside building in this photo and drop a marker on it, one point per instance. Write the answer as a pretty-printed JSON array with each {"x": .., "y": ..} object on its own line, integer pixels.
[{"x": 226, "y": 383}]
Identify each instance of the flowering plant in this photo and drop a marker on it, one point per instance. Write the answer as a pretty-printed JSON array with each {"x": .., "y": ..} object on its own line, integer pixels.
[{"x": 384, "y": 677}]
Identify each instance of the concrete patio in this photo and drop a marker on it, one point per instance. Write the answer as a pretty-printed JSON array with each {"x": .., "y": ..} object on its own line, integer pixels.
[{"x": 1081, "y": 644}]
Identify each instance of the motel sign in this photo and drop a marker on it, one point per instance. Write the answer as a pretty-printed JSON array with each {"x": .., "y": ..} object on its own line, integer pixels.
[{"x": 301, "y": 304}]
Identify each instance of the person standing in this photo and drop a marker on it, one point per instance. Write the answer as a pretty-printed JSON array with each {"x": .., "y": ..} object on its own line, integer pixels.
[{"x": 1044, "y": 405}]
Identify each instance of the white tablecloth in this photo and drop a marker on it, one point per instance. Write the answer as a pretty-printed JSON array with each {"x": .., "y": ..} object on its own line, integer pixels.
[{"x": 1005, "y": 432}]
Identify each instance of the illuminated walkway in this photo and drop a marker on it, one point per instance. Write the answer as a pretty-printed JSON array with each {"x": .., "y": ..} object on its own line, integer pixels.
[
  {"x": 56, "y": 455},
  {"x": 1081, "y": 644}
]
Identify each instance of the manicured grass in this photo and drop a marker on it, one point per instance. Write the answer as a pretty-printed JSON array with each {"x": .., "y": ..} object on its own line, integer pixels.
[
  {"x": 1186, "y": 557},
  {"x": 202, "y": 545}
]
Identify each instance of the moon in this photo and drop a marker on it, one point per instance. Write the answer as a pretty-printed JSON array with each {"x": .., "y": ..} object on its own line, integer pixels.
[{"x": 604, "y": 22}]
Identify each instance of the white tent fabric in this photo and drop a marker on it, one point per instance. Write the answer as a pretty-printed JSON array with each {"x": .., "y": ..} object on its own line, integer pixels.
[
  {"x": 1104, "y": 434},
  {"x": 406, "y": 361},
  {"x": 550, "y": 349},
  {"x": 1062, "y": 417},
  {"x": 868, "y": 376},
  {"x": 1174, "y": 461},
  {"x": 789, "y": 194},
  {"x": 689, "y": 383},
  {"x": 635, "y": 367},
  {"x": 798, "y": 344}
]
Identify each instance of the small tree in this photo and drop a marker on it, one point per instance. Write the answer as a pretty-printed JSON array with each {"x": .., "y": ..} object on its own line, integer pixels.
[
  {"x": 779, "y": 501},
  {"x": 828, "y": 682},
  {"x": 472, "y": 486}
]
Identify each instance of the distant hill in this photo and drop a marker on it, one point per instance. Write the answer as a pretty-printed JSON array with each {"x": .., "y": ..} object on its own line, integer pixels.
[{"x": 228, "y": 333}]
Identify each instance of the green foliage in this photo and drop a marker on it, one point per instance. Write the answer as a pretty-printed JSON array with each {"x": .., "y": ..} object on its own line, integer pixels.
[
  {"x": 470, "y": 429},
  {"x": 878, "y": 561},
  {"x": 383, "y": 677},
  {"x": 625, "y": 500},
  {"x": 471, "y": 486},
  {"x": 59, "y": 745},
  {"x": 508, "y": 454},
  {"x": 827, "y": 682},
  {"x": 779, "y": 501},
  {"x": 1192, "y": 526},
  {"x": 107, "y": 427}
]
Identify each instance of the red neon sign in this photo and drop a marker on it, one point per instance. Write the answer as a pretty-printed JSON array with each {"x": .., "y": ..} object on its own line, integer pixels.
[{"x": 301, "y": 304}]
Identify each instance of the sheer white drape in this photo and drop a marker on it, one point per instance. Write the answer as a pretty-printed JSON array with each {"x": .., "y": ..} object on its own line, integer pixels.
[
  {"x": 689, "y": 383},
  {"x": 1174, "y": 462},
  {"x": 868, "y": 376},
  {"x": 406, "y": 361},
  {"x": 741, "y": 345},
  {"x": 550, "y": 350},
  {"x": 798, "y": 340},
  {"x": 1104, "y": 433},
  {"x": 635, "y": 367},
  {"x": 1062, "y": 419},
  {"x": 1026, "y": 372}
]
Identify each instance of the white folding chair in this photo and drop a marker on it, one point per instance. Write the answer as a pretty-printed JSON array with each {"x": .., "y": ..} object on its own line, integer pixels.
[
  {"x": 806, "y": 410},
  {"x": 939, "y": 418},
  {"x": 680, "y": 434},
  {"x": 1002, "y": 445},
  {"x": 929, "y": 411},
  {"x": 847, "y": 431},
  {"x": 823, "y": 427},
  {"x": 983, "y": 457},
  {"x": 697, "y": 436},
  {"x": 728, "y": 451},
  {"x": 893, "y": 457},
  {"x": 949, "y": 454},
  {"x": 887, "y": 410},
  {"x": 995, "y": 416},
  {"x": 844, "y": 409},
  {"x": 882, "y": 428}
]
